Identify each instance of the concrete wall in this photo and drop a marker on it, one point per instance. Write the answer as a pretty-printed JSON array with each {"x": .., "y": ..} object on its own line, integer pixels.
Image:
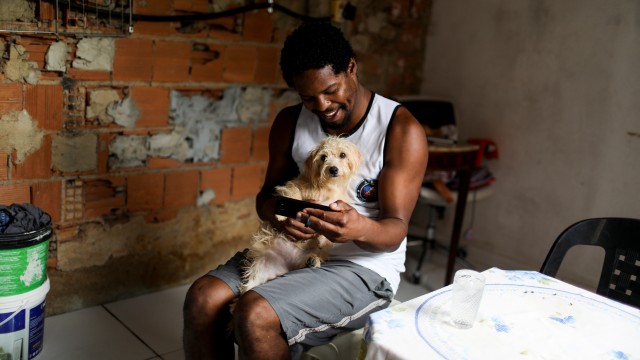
[
  {"x": 148, "y": 149},
  {"x": 557, "y": 85}
]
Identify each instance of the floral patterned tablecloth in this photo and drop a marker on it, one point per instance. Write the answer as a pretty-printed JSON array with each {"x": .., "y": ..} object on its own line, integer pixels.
[{"x": 523, "y": 315}]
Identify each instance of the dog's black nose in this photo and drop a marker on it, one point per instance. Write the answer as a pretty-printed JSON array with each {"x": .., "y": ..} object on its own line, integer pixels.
[{"x": 334, "y": 171}]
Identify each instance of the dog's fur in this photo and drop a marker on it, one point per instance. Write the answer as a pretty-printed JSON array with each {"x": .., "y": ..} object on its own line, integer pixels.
[{"x": 327, "y": 172}]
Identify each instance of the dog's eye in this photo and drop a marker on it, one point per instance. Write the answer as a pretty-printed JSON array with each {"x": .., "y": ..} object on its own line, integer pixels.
[
  {"x": 323, "y": 158},
  {"x": 343, "y": 155}
]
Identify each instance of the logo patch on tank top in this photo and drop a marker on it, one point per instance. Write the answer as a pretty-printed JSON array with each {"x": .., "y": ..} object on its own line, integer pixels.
[{"x": 367, "y": 190}]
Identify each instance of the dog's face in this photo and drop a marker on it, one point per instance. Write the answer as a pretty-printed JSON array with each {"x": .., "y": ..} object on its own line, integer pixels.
[{"x": 334, "y": 159}]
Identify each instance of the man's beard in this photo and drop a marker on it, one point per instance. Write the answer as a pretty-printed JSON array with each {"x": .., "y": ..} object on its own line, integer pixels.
[{"x": 339, "y": 125}]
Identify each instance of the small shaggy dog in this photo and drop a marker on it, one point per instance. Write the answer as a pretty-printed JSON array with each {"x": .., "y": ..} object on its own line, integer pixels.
[{"x": 327, "y": 172}]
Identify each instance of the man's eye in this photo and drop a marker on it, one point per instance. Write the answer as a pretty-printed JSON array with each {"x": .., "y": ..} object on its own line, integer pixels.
[
  {"x": 323, "y": 158},
  {"x": 343, "y": 155}
]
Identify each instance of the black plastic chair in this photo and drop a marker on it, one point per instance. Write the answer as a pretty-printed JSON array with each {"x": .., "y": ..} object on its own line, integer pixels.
[{"x": 620, "y": 239}]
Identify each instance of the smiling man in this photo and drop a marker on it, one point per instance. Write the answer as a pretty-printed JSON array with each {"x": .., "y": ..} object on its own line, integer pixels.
[{"x": 308, "y": 307}]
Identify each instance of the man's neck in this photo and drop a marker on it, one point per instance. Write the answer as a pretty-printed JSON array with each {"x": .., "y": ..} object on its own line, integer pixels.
[{"x": 363, "y": 97}]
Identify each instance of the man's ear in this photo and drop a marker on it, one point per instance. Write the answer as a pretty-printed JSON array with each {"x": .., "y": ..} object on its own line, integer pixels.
[{"x": 352, "y": 69}]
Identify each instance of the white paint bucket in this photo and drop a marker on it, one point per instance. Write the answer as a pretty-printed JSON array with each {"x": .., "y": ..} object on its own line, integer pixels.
[{"x": 22, "y": 324}]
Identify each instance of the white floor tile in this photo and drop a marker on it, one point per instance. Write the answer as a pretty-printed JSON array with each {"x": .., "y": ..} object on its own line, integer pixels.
[
  {"x": 156, "y": 318},
  {"x": 175, "y": 355},
  {"x": 90, "y": 333}
]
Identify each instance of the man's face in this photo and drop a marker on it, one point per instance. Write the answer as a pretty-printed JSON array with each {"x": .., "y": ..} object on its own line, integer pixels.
[{"x": 331, "y": 97}]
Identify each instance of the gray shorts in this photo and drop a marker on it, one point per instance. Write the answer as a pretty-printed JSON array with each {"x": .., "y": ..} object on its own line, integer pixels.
[{"x": 315, "y": 304}]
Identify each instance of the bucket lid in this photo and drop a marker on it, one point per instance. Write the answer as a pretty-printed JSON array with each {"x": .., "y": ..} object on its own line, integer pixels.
[{"x": 15, "y": 241}]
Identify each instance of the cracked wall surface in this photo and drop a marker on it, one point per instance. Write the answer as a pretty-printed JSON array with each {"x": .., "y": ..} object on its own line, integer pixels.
[
  {"x": 19, "y": 133},
  {"x": 126, "y": 137}
]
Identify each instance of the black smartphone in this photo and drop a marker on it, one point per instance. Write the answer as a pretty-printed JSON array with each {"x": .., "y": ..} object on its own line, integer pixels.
[{"x": 289, "y": 207}]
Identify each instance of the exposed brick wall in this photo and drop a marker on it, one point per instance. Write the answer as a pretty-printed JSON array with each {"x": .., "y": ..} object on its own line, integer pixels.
[{"x": 97, "y": 199}]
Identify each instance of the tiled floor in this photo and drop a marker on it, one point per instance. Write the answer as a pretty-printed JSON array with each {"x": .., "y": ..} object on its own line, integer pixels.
[{"x": 150, "y": 326}]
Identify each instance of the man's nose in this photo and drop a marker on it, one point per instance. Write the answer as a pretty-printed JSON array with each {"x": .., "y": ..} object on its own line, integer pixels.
[{"x": 322, "y": 103}]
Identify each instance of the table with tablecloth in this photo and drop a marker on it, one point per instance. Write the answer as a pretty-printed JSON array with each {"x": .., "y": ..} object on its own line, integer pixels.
[{"x": 523, "y": 314}]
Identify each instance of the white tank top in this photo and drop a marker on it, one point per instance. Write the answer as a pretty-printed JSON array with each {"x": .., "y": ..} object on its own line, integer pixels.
[{"x": 369, "y": 136}]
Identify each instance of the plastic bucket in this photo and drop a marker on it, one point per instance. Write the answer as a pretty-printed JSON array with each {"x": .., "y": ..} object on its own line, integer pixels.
[
  {"x": 23, "y": 261},
  {"x": 22, "y": 324}
]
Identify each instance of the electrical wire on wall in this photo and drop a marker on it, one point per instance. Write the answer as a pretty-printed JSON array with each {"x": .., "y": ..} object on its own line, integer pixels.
[
  {"x": 270, "y": 6},
  {"x": 118, "y": 12}
]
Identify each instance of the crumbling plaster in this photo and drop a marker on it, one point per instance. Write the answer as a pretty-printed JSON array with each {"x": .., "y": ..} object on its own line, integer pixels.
[
  {"x": 197, "y": 119},
  {"x": 57, "y": 56},
  {"x": 17, "y": 10},
  {"x": 18, "y": 68},
  {"x": 95, "y": 54},
  {"x": 99, "y": 99},
  {"x": 164, "y": 254},
  {"x": 19, "y": 132},
  {"x": 75, "y": 152}
]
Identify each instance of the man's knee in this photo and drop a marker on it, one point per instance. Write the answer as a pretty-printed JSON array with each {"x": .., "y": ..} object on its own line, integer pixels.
[
  {"x": 254, "y": 313},
  {"x": 206, "y": 297}
]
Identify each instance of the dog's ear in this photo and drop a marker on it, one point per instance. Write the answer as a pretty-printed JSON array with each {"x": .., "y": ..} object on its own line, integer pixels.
[
  {"x": 310, "y": 170},
  {"x": 356, "y": 158}
]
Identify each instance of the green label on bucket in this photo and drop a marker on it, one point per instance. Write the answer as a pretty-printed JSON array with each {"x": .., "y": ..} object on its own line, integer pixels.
[{"x": 23, "y": 269}]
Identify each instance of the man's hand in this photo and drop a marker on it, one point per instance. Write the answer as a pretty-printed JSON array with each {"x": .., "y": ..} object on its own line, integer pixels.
[{"x": 341, "y": 225}]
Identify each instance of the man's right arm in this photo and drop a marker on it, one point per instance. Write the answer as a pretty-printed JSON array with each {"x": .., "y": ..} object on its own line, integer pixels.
[{"x": 281, "y": 167}]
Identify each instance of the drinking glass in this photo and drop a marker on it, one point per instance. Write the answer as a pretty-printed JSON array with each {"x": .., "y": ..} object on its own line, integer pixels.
[{"x": 468, "y": 286}]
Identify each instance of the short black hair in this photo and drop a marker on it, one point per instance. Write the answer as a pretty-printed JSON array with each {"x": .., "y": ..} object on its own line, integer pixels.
[{"x": 314, "y": 45}]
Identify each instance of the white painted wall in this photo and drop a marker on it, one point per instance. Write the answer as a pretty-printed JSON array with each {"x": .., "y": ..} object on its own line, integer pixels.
[{"x": 557, "y": 85}]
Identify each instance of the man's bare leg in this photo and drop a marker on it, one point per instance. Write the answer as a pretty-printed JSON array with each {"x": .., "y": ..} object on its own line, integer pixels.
[
  {"x": 206, "y": 320},
  {"x": 257, "y": 329}
]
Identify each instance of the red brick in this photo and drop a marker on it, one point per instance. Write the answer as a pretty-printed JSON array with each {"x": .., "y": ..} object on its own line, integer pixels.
[
  {"x": 102, "y": 196},
  {"x": 246, "y": 182},
  {"x": 258, "y": 26},
  {"x": 47, "y": 196},
  {"x": 88, "y": 75},
  {"x": 181, "y": 189},
  {"x": 36, "y": 165},
  {"x": 267, "y": 67},
  {"x": 133, "y": 60},
  {"x": 97, "y": 208},
  {"x": 145, "y": 192},
  {"x": 47, "y": 11},
  {"x": 239, "y": 63},
  {"x": 218, "y": 180},
  {"x": 223, "y": 29},
  {"x": 235, "y": 145},
  {"x": 154, "y": 105},
  {"x": 15, "y": 194},
  {"x": 171, "y": 61},
  {"x": 155, "y": 7},
  {"x": 260, "y": 148},
  {"x": 163, "y": 163},
  {"x": 10, "y": 98},
  {"x": 201, "y": 6},
  {"x": 154, "y": 28},
  {"x": 103, "y": 152},
  {"x": 44, "y": 103},
  {"x": 4, "y": 166},
  {"x": 65, "y": 233},
  {"x": 36, "y": 47},
  {"x": 207, "y": 65}
]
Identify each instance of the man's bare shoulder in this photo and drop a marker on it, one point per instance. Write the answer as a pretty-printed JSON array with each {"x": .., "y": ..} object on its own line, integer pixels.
[{"x": 405, "y": 123}]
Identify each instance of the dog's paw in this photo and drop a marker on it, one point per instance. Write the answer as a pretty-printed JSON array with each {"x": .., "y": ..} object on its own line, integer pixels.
[{"x": 314, "y": 261}]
